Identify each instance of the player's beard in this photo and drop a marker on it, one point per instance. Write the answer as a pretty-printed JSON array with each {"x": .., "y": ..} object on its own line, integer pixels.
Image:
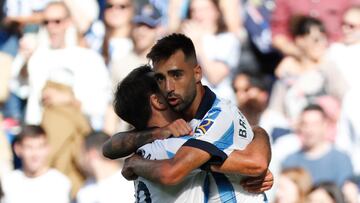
[{"x": 184, "y": 102}]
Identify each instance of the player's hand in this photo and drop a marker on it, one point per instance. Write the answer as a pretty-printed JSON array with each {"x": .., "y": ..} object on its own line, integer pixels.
[
  {"x": 259, "y": 184},
  {"x": 178, "y": 128},
  {"x": 127, "y": 171}
]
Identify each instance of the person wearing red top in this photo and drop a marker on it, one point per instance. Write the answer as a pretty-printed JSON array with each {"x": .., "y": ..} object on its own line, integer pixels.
[{"x": 330, "y": 12}]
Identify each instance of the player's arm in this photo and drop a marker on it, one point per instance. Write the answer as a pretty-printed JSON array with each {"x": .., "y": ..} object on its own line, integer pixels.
[
  {"x": 168, "y": 171},
  {"x": 125, "y": 143},
  {"x": 253, "y": 160}
]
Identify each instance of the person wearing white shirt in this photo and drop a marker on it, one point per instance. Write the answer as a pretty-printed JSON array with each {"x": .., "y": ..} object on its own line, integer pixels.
[
  {"x": 106, "y": 184},
  {"x": 35, "y": 182}
]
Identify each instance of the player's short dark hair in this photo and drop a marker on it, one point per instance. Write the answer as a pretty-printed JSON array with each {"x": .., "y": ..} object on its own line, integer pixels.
[
  {"x": 31, "y": 131},
  {"x": 95, "y": 140},
  {"x": 314, "y": 107},
  {"x": 167, "y": 46},
  {"x": 301, "y": 25},
  {"x": 132, "y": 102}
]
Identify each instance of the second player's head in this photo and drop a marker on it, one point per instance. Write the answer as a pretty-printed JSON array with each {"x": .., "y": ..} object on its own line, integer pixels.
[
  {"x": 136, "y": 95},
  {"x": 176, "y": 70}
]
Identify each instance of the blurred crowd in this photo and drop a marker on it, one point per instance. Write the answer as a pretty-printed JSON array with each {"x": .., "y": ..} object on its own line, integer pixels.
[{"x": 292, "y": 68}]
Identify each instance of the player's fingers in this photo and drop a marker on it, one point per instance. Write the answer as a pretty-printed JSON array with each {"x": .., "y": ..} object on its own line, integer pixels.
[
  {"x": 179, "y": 128},
  {"x": 257, "y": 183},
  {"x": 257, "y": 190},
  {"x": 128, "y": 174},
  {"x": 252, "y": 181},
  {"x": 257, "y": 187},
  {"x": 183, "y": 127}
]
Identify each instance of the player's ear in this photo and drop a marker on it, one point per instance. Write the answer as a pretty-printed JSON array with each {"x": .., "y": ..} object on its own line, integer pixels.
[
  {"x": 157, "y": 102},
  {"x": 197, "y": 73}
]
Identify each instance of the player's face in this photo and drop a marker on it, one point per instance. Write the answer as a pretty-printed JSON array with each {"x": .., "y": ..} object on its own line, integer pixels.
[{"x": 177, "y": 80}]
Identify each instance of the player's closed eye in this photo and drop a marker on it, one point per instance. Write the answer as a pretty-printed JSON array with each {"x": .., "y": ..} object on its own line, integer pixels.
[{"x": 159, "y": 78}]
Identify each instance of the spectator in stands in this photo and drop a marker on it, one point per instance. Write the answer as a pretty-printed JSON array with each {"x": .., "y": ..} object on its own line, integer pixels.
[
  {"x": 327, "y": 192},
  {"x": 252, "y": 94},
  {"x": 6, "y": 156},
  {"x": 144, "y": 35},
  {"x": 105, "y": 184},
  {"x": 91, "y": 78},
  {"x": 293, "y": 186},
  {"x": 65, "y": 125},
  {"x": 351, "y": 191},
  {"x": 111, "y": 37},
  {"x": 14, "y": 107},
  {"x": 217, "y": 49},
  {"x": 348, "y": 134},
  {"x": 5, "y": 72},
  {"x": 302, "y": 80},
  {"x": 344, "y": 54},
  {"x": 311, "y": 40},
  {"x": 317, "y": 155},
  {"x": 35, "y": 182},
  {"x": 330, "y": 12}
]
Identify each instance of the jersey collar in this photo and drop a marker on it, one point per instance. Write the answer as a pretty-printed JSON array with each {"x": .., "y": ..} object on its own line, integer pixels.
[{"x": 206, "y": 103}]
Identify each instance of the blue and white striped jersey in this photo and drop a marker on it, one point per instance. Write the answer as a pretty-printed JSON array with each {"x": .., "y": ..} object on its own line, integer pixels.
[
  {"x": 220, "y": 128},
  {"x": 189, "y": 190}
]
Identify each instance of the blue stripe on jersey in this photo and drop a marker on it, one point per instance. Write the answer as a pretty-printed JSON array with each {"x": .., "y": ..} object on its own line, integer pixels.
[
  {"x": 213, "y": 113},
  {"x": 225, "y": 188},
  {"x": 227, "y": 139},
  {"x": 265, "y": 198},
  {"x": 170, "y": 154},
  {"x": 206, "y": 188}
]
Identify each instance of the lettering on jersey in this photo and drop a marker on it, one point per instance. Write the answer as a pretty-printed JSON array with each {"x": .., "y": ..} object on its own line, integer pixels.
[
  {"x": 242, "y": 132},
  {"x": 207, "y": 122},
  {"x": 143, "y": 154},
  {"x": 143, "y": 191},
  {"x": 140, "y": 152},
  {"x": 204, "y": 127}
]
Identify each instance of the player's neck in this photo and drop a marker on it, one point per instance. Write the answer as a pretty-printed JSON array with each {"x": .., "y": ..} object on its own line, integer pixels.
[
  {"x": 161, "y": 118},
  {"x": 191, "y": 111}
]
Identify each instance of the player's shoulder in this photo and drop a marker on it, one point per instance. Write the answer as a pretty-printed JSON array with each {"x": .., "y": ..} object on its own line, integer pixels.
[{"x": 226, "y": 107}]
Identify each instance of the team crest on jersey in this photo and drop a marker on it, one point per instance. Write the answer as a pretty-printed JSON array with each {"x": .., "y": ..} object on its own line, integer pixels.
[{"x": 203, "y": 127}]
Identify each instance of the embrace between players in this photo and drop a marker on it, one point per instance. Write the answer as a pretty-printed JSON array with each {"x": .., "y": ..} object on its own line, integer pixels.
[{"x": 190, "y": 146}]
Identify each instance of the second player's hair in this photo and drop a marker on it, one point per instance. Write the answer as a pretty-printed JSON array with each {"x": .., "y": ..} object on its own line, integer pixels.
[{"x": 132, "y": 97}]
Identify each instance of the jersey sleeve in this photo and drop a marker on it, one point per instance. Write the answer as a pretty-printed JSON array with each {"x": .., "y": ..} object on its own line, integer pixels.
[{"x": 220, "y": 132}]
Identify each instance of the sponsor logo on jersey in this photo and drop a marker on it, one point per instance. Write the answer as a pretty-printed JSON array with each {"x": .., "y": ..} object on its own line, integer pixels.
[{"x": 203, "y": 127}]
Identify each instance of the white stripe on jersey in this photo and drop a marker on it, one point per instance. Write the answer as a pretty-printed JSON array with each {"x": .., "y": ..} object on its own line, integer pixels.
[{"x": 189, "y": 190}]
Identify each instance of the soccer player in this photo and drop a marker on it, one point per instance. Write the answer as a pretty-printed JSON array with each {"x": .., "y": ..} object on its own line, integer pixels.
[{"x": 221, "y": 129}]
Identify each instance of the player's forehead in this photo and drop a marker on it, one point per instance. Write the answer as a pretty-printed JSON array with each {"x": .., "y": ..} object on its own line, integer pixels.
[{"x": 175, "y": 62}]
